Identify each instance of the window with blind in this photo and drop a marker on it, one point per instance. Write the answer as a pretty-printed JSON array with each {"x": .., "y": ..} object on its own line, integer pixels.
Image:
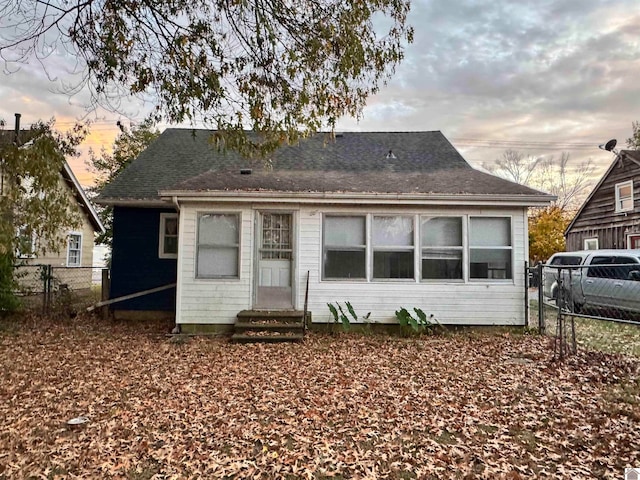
[
  {"x": 218, "y": 246},
  {"x": 441, "y": 243}
]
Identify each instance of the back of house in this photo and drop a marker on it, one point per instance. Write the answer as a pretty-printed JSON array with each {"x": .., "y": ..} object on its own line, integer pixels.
[{"x": 382, "y": 220}]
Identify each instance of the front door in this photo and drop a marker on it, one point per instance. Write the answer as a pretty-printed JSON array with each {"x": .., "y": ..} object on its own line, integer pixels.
[{"x": 274, "y": 265}]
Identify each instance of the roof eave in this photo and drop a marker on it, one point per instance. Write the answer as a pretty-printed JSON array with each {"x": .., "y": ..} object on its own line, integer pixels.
[
  {"x": 131, "y": 202},
  {"x": 93, "y": 215},
  {"x": 526, "y": 200}
]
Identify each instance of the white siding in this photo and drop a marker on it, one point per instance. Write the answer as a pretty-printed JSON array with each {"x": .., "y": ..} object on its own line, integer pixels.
[
  {"x": 204, "y": 301},
  {"x": 481, "y": 302}
]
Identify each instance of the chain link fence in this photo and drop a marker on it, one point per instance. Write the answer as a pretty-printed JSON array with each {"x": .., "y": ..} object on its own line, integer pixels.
[
  {"x": 51, "y": 289},
  {"x": 595, "y": 306}
]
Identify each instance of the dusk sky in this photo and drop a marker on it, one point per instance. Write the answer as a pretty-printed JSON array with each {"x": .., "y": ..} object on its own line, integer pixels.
[{"x": 541, "y": 77}]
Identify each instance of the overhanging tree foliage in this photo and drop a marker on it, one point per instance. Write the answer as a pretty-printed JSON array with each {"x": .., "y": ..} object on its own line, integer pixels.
[
  {"x": 35, "y": 204},
  {"x": 107, "y": 165},
  {"x": 279, "y": 67}
]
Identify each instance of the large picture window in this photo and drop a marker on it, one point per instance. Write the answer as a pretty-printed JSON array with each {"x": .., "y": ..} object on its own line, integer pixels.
[
  {"x": 490, "y": 248},
  {"x": 393, "y": 247},
  {"x": 344, "y": 247},
  {"x": 218, "y": 245},
  {"x": 441, "y": 242}
]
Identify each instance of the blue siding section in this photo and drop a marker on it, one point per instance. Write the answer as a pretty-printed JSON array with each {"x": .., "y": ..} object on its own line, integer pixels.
[{"x": 135, "y": 265}]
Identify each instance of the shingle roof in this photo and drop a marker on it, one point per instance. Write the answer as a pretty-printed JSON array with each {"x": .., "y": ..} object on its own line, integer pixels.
[{"x": 379, "y": 162}]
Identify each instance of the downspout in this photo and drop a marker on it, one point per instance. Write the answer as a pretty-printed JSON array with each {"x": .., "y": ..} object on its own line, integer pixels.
[{"x": 176, "y": 327}]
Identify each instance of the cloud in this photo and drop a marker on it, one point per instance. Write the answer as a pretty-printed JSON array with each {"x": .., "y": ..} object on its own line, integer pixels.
[{"x": 551, "y": 71}]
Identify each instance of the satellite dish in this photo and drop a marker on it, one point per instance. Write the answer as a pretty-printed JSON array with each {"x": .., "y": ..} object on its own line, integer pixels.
[{"x": 609, "y": 146}]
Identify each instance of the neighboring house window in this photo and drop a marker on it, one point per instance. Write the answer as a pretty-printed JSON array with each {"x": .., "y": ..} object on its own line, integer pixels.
[
  {"x": 590, "y": 244},
  {"x": 168, "y": 244},
  {"x": 392, "y": 239},
  {"x": 490, "y": 248},
  {"x": 441, "y": 242},
  {"x": 624, "y": 196},
  {"x": 633, "y": 241},
  {"x": 218, "y": 249},
  {"x": 74, "y": 250},
  {"x": 26, "y": 243},
  {"x": 344, "y": 240}
]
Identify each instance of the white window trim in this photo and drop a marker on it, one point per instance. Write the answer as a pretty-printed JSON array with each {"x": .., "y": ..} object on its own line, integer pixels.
[
  {"x": 591, "y": 239},
  {"x": 365, "y": 247},
  {"x": 470, "y": 247},
  {"x": 462, "y": 248},
  {"x": 392, "y": 248},
  {"x": 218, "y": 278},
  {"x": 79, "y": 234},
  {"x": 629, "y": 237},
  {"x": 417, "y": 248},
  {"x": 163, "y": 219},
  {"x": 619, "y": 186}
]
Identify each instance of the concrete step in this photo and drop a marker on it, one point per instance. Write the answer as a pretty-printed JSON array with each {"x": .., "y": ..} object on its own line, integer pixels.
[
  {"x": 273, "y": 327},
  {"x": 266, "y": 338}
]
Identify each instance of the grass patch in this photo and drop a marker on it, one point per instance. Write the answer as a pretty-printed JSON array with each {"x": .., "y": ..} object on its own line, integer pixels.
[{"x": 598, "y": 335}]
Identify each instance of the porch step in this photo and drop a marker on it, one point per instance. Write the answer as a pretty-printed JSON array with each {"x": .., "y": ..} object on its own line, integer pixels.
[
  {"x": 268, "y": 326},
  {"x": 268, "y": 338}
]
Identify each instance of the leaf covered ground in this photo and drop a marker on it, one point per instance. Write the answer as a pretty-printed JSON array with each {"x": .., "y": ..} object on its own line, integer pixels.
[{"x": 346, "y": 406}]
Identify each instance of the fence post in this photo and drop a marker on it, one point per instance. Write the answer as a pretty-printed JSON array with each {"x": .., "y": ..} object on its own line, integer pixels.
[
  {"x": 106, "y": 287},
  {"x": 541, "y": 325},
  {"x": 526, "y": 293}
]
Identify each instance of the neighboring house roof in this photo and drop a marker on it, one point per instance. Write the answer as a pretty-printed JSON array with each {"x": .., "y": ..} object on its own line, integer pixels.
[
  {"x": 25, "y": 136},
  {"x": 9, "y": 136},
  {"x": 182, "y": 161},
  {"x": 81, "y": 197},
  {"x": 632, "y": 155}
]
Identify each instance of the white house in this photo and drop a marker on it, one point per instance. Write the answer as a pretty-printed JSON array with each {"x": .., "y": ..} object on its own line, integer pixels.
[{"x": 380, "y": 219}]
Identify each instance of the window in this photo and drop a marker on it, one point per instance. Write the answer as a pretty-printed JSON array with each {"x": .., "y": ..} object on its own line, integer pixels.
[
  {"x": 74, "y": 250},
  {"x": 276, "y": 236},
  {"x": 344, "y": 240},
  {"x": 490, "y": 248},
  {"x": 624, "y": 196},
  {"x": 618, "y": 268},
  {"x": 218, "y": 246},
  {"x": 441, "y": 242},
  {"x": 26, "y": 243},
  {"x": 392, "y": 239},
  {"x": 590, "y": 243},
  {"x": 168, "y": 244},
  {"x": 633, "y": 241}
]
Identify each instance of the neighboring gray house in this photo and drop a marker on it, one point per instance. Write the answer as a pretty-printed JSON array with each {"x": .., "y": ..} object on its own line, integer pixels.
[{"x": 383, "y": 220}]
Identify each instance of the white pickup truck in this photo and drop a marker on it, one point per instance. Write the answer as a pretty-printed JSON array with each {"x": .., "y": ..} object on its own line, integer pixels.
[{"x": 605, "y": 279}]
